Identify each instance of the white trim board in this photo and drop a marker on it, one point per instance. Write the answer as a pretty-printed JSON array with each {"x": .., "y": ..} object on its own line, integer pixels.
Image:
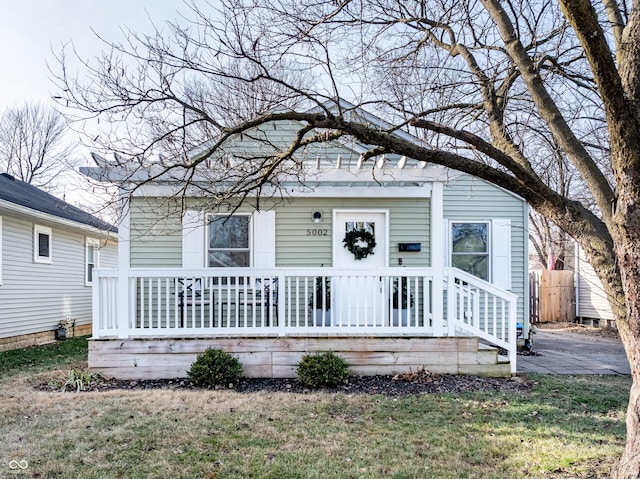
[{"x": 300, "y": 191}]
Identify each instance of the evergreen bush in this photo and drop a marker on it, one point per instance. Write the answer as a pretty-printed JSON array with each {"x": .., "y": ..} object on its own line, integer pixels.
[
  {"x": 322, "y": 369},
  {"x": 215, "y": 367}
]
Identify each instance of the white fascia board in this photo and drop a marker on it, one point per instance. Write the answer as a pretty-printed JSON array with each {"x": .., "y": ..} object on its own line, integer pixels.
[
  {"x": 22, "y": 211},
  {"x": 407, "y": 190},
  {"x": 377, "y": 175},
  {"x": 387, "y": 183}
]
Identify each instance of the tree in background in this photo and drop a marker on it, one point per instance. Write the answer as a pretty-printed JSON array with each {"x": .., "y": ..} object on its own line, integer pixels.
[
  {"x": 33, "y": 146},
  {"x": 505, "y": 90}
]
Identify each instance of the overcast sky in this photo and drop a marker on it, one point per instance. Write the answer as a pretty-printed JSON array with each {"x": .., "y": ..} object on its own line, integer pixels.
[{"x": 30, "y": 29}]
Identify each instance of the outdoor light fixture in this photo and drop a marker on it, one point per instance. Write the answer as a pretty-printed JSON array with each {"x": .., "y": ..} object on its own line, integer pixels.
[{"x": 317, "y": 217}]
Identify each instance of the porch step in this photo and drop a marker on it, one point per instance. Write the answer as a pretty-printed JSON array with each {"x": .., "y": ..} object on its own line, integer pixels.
[
  {"x": 151, "y": 358},
  {"x": 488, "y": 363}
]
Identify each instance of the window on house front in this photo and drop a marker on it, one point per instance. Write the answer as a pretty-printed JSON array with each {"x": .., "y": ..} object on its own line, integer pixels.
[
  {"x": 470, "y": 248},
  {"x": 228, "y": 241},
  {"x": 91, "y": 259},
  {"x": 41, "y": 244}
]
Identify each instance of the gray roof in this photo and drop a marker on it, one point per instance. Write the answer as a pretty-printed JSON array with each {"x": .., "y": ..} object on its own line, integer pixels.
[{"x": 20, "y": 193}]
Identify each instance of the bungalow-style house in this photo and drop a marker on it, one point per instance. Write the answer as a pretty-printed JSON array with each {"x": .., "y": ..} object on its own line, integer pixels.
[
  {"x": 49, "y": 250},
  {"x": 396, "y": 265}
]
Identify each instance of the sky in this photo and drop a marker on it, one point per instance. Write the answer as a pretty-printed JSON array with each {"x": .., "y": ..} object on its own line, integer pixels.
[{"x": 31, "y": 29}]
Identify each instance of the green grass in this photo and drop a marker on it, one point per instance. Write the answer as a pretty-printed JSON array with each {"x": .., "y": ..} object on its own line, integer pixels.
[
  {"x": 40, "y": 358},
  {"x": 566, "y": 426}
]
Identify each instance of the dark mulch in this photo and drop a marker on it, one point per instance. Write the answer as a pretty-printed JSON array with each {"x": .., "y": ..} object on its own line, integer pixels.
[{"x": 421, "y": 382}]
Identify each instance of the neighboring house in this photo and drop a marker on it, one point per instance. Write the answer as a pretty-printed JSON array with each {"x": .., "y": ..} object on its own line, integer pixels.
[
  {"x": 449, "y": 267},
  {"x": 592, "y": 304},
  {"x": 572, "y": 294},
  {"x": 48, "y": 251}
]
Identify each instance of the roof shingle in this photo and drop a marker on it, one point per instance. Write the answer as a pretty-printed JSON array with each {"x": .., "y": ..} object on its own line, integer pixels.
[{"x": 20, "y": 193}]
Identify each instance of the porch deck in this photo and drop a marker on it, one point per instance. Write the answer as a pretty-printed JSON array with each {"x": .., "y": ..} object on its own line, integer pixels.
[{"x": 153, "y": 322}]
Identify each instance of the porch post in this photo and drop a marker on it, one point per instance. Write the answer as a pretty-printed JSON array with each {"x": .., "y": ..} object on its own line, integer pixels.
[
  {"x": 437, "y": 257},
  {"x": 124, "y": 263}
]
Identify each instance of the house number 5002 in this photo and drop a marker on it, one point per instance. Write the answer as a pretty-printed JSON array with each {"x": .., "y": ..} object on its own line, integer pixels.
[{"x": 318, "y": 232}]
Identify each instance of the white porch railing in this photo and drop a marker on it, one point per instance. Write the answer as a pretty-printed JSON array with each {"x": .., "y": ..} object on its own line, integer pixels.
[
  {"x": 174, "y": 302},
  {"x": 477, "y": 307}
]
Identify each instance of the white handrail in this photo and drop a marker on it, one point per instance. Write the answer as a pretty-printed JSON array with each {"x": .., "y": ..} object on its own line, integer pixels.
[{"x": 479, "y": 308}]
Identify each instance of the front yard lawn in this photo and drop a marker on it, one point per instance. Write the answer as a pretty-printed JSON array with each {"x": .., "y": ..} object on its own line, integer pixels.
[{"x": 565, "y": 426}]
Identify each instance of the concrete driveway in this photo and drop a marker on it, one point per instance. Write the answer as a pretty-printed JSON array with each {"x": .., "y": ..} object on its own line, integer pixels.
[{"x": 565, "y": 352}]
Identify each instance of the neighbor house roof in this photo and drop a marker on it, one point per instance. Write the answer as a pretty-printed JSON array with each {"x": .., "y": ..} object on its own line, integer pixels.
[{"x": 23, "y": 194}]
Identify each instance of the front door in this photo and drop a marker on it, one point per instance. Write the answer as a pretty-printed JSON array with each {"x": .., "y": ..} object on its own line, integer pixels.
[{"x": 359, "y": 300}]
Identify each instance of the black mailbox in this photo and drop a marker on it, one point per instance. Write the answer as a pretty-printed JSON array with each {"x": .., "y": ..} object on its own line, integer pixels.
[{"x": 413, "y": 247}]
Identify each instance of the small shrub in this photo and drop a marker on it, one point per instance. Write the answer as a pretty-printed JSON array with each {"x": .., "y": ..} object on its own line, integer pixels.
[
  {"x": 215, "y": 367},
  {"x": 76, "y": 379},
  {"x": 325, "y": 369}
]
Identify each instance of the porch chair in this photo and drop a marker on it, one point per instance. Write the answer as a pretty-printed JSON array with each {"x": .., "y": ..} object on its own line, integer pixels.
[
  {"x": 270, "y": 290},
  {"x": 190, "y": 294}
]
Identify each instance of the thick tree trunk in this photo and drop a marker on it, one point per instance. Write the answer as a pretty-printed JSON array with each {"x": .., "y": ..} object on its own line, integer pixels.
[
  {"x": 626, "y": 237},
  {"x": 628, "y": 466}
]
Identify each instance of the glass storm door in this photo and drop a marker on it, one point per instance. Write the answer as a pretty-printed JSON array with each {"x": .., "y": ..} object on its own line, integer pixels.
[{"x": 359, "y": 300}]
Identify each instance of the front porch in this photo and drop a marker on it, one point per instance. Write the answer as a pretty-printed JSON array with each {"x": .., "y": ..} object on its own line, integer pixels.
[{"x": 153, "y": 322}]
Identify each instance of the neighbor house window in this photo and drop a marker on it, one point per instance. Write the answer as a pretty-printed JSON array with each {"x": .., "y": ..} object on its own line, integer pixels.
[
  {"x": 228, "y": 241},
  {"x": 470, "y": 248},
  {"x": 41, "y": 244},
  {"x": 92, "y": 248}
]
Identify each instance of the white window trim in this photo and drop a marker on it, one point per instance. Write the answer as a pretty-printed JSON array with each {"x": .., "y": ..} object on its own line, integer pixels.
[
  {"x": 489, "y": 252},
  {"x": 96, "y": 257},
  {"x": 208, "y": 219},
  {"x": 39, "y": 229}
]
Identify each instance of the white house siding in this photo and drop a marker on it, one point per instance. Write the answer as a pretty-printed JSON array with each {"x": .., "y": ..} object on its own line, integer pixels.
[
  {"x": 470, "y": 199},
  {"x": 108, "y": 254},
  {"x": 591, "y": 302},
  {"x": 34, "y": 297},
  {"x": 156, "y": 233}
]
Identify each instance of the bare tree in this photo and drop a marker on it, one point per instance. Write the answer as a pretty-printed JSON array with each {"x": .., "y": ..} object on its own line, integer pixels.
[
  {"x": 33, "y": 146},
  {"x": 499, "y": 89}
]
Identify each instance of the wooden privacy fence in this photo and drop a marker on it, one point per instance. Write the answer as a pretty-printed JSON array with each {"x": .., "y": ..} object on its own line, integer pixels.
[{"x": 552, "y": 296}]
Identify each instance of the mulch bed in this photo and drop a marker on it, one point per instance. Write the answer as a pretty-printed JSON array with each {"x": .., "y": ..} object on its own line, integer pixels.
[{"x": 420, "y": 382}]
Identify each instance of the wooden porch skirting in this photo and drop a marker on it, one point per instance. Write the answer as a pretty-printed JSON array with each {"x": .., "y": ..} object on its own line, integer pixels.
[{"x": 278, "y": 356}]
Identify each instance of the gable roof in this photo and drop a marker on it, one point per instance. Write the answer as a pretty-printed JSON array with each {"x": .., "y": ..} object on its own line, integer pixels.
[{"x": 23, "y": 194}]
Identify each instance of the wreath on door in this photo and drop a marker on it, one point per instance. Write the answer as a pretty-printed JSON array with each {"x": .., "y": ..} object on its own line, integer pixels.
[{"x": 360, "y": 243}]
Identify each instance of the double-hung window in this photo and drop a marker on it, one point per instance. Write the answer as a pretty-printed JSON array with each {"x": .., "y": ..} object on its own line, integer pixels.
[
  {"x": 228, "y": 241},
  {"x": 470, "y": 248},
  {"x": 92, "y": 251},
  {"x": 42, "y": 243}
]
